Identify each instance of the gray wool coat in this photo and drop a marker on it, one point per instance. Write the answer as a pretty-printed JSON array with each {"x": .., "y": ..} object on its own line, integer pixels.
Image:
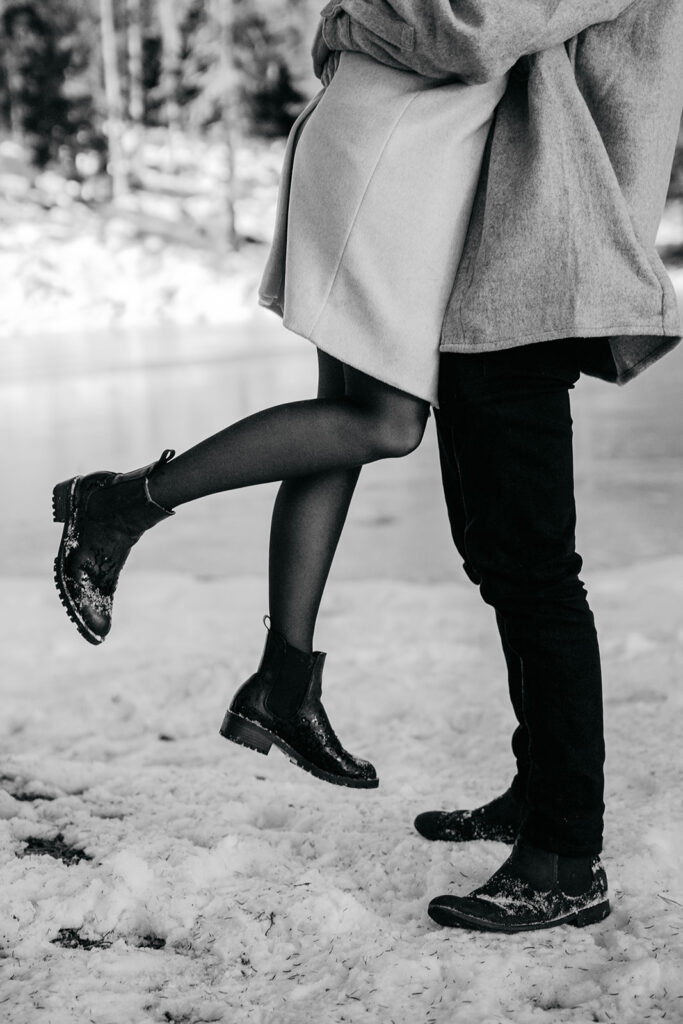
[{"x": 561, "y": 240}]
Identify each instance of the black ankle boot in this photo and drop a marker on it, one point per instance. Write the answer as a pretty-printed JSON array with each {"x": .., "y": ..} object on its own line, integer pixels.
[
  {"x": 498, "y": 820},
  {"x": 280, "y": 704},
  {"x": 533, "y": 889},
  {"x": 104, "y": 514}
]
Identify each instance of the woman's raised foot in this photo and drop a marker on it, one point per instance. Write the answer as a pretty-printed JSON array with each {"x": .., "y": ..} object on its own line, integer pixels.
[
  {"x": 280, "y": 704},
  {"x": 104, "y": 515}
]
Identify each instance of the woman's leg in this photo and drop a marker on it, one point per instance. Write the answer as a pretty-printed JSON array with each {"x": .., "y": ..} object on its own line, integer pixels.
[
  {"x": 308, "y": 518},
  {"x": 105, "y": 514},
  {"x": 281, "y": 703},
  {"x": 370, "y": 421}
]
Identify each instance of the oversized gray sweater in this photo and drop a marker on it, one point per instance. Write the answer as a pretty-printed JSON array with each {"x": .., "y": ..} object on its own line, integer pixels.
[{"x": 561, "y": 240}]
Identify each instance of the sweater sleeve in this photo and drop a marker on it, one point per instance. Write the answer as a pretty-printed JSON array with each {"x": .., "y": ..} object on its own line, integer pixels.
[{"x": 475, "y": 40}]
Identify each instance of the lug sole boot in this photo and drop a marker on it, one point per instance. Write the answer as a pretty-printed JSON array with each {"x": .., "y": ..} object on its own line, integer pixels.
[
  {"x": 533, "y": 889},
  {"x": 96, "y": 542},
  {"x": 280, "y": 705},
  {"x": 500, "y": 821}
]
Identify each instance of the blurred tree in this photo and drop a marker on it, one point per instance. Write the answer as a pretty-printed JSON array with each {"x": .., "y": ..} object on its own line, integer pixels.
[
  {"x": 136, "y": 93},
  {"x": 224, "y": 14},
  {"x": 170, "y": 12},
  {"x": 263, "y": 43},
  {"x": 113, "y": 97},
  {"x": 62, "y": 66},
  {"x": 35, "y": 62},
  {"x": 265, "y": 34},
  {"x": 49, "y": 77}
]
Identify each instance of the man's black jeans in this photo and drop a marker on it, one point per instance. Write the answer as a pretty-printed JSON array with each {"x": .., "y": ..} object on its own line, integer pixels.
[{"x": 505, "y": 438}]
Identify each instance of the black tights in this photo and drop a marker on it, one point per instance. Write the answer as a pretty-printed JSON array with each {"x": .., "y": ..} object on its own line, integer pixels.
[{"x": 317, "y": 448}]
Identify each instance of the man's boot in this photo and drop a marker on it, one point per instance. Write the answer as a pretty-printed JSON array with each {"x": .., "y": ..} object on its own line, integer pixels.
[
  {"x": 498, "y": 820},
  {"x": 533, "y": 889},
  {"x": 280, "y": 704},
  {"x": 104, "y": 514}
]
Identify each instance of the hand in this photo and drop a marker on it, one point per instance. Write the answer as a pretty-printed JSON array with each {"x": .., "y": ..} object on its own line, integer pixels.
[{"x": 320, "y": 52}]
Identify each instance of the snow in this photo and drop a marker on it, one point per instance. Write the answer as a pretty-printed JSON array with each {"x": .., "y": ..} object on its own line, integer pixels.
[
  {"x": 108, "y": 276},
  {"x": 279, "y": 897},
  {"x": 157, "y": 256}
]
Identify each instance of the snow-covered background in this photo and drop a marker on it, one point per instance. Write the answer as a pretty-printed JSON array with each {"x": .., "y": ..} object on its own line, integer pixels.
[
  {"x": 152, "y": 258},
  {"x": 152, "y": 872}
]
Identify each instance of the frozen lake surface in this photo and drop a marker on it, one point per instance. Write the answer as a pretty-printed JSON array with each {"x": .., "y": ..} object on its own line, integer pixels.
[{"x": 75, "y": 404}]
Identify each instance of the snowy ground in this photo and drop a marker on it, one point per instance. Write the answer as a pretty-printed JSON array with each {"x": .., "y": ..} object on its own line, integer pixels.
[{"x": 274, "y": 897}]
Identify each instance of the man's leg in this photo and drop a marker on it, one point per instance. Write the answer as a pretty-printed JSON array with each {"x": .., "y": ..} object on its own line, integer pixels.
[
  {"x": 520, "y": 737},
  {"x": 500, "y": 819},
  {"x": 457, "y": 515},
  {"x": 506, "y": 417}
]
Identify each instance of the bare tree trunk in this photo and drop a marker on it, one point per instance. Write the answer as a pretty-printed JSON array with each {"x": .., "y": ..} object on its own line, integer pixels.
[
  {"x": 230, "y": 105},
  {"x": 170, "y": 61},
  {"x": 114, "y": 101},
  {"x": 136, "y": 97},
  {"x": 15, "y": 113}
]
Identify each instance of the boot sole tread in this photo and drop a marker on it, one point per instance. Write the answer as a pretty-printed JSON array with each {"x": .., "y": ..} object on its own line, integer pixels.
[
  {"x": 579, "y": 919},
  {"x": 250, "y": 734},
  {"x": 508, "y": 838},
  {"x": 62, "y": 512}
]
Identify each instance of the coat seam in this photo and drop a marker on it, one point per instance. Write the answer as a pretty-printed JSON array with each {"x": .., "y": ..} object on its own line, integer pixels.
[{"x": 357, "y": 212}]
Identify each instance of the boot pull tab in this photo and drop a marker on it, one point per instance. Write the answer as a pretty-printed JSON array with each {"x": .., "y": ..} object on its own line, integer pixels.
[
  {"x": 166, "y": 456},
  {"x": 267, "y": 622}
]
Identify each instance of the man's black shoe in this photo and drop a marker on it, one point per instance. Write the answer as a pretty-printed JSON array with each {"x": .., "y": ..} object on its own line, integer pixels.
[
  {"x": 498, "y": 820},
  {"x": 533, "y": 889}
]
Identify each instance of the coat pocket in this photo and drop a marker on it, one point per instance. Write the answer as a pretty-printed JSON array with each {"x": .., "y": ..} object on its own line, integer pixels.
[{"x": 387, "y": 26}]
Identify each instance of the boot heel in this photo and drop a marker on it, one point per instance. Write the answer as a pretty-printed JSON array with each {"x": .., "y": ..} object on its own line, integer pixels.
[
  {"x": 592, "y": 914},
  {"x": 61, "y": 500},
  {"x": 239, "y": 730}
]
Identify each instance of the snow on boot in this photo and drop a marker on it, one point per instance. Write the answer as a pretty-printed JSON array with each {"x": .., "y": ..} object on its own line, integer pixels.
[
  {"x": 280, "y": 704},
  {"x": 499, "y": 820},
  {"x": 104, "y": 514},
  {"x": 533, "y": 889}
]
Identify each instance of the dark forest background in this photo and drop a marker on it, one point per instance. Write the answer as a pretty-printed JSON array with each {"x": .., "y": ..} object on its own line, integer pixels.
[
  {"x": 86, "y": 84},
  {"x": 75, "y": 74}
]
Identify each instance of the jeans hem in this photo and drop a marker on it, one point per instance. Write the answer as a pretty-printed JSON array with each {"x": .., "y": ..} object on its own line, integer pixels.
[{"x": 562, "y": 847}]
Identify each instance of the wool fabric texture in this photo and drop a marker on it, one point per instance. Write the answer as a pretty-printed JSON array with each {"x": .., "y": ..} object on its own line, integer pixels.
[
  {"x": 561, "y": 240},
  {"x": 377, "y": 189}
]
